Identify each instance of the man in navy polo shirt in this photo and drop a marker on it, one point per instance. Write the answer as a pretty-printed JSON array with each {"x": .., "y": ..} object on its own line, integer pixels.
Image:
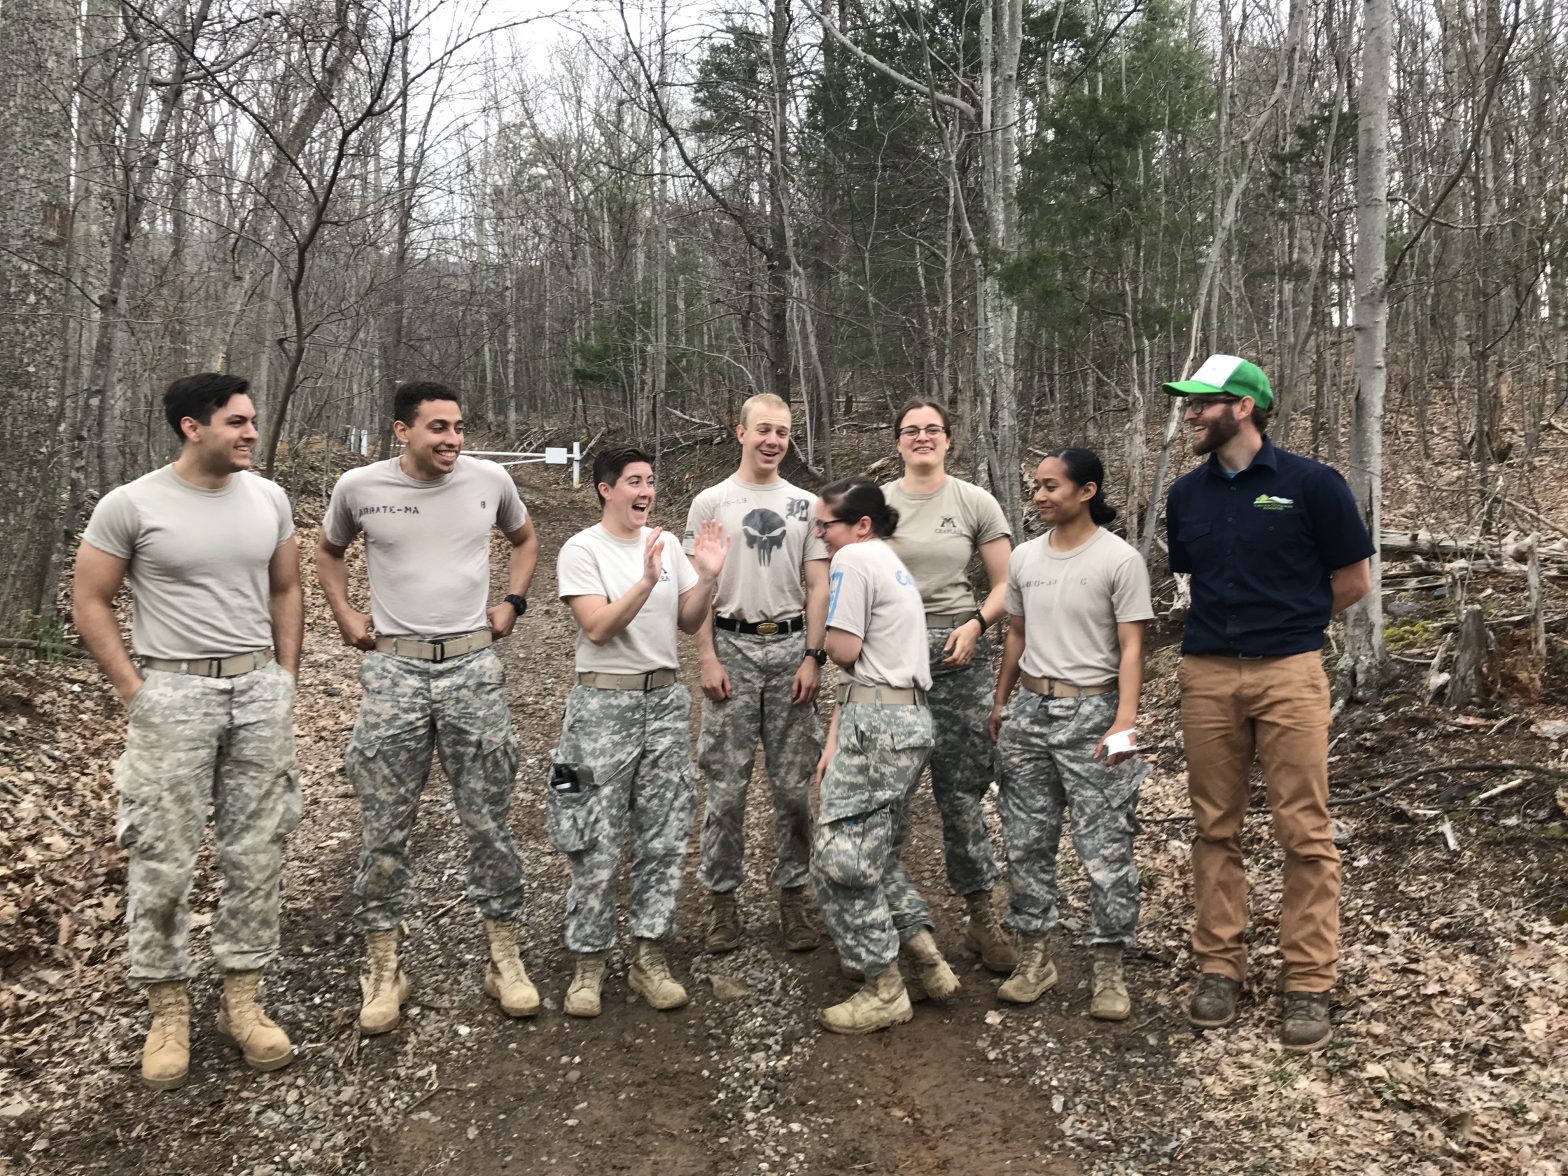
[{"x": 1276, "y": 547}]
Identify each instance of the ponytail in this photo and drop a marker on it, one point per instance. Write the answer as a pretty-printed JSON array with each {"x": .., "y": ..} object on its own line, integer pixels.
[
  {"x": 1083, "y": 467},
  {"x": 859, "y": 498}
]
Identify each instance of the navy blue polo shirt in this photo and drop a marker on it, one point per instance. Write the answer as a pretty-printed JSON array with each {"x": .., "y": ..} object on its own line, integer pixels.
[{"x": 1260, "y": 547}]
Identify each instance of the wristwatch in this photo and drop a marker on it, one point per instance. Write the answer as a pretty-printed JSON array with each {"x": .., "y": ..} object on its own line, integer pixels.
[
  {"x": 520, "y": 603},
  {"x": 820, "y": 656},
  {"x": 977, "y": 616}
]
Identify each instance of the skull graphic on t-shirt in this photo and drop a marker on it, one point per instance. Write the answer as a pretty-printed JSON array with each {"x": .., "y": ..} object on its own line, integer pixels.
[{"x": 764, "y": 531}]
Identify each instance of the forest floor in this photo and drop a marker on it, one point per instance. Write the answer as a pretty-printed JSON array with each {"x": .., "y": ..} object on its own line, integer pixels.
[{"x": 1450, "y": 1052}]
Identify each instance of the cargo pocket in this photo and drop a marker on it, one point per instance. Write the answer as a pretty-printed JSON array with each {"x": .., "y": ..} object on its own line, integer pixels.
[
  {"x": 571, "y": 821},
  {"x": 287, "y": 803},
  {"x": 131, "y": 820},
  {"x": 852, "y": 852}
]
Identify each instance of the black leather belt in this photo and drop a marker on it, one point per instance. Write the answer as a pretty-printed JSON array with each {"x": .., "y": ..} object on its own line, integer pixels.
[{"x": 760, "y": 628}]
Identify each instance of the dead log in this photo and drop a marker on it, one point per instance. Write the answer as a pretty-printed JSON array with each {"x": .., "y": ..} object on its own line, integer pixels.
[{"x": 1433, "y": 544}]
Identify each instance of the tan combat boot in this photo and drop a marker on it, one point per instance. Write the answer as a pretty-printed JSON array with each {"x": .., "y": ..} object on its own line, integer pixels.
[
  {"x": 723, "y": 923},
  {"x": 795, "y": 925},
  {"x": 1110, "y": 1002},
  {"x": 166, "y": 1054},
  {"x": 243, "y": 1023},
  {"x": 1034, "y": 976},
  {"x": 881, "y": 1001},
  {"x": 929, "y": 968},
  {"x": 986, "y": 936},
  {"x": 506, "y": 979},
  {"x": 383, "y": 985},
  {"x": 649, "y": 977},
  {"x": 582, "y": 997}
]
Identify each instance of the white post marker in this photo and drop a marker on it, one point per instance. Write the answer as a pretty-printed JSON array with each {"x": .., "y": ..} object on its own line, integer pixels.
[{"x": 550, "y": 455}]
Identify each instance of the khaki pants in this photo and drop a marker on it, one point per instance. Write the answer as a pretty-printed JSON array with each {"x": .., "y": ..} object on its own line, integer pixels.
[{"x": 1278, "y": 709}]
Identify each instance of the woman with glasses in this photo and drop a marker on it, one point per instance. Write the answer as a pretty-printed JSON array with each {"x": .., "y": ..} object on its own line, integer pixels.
[
  {"x": 1078, "y": 599},
  {"x": 878, "y": 741},
  {"x": 943, "y": 523}
]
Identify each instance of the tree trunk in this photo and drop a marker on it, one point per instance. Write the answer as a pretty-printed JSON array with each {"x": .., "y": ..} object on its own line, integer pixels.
[{"x": 1362, "y": 668}]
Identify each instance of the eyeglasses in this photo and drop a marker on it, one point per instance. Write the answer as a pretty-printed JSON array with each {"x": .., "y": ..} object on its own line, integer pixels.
[
  {"x": 1197, "y": 405},
  {"x": 821, "y": 525},
  {"x": 911, "y": 431}
]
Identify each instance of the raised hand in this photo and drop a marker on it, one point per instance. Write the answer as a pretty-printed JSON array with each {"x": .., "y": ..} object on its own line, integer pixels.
[
  {"x": 709, "y": 548},
  {"x": 653, "y": 557}
]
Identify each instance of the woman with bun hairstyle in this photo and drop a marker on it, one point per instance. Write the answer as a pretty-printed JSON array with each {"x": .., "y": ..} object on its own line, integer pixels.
[
  {"x": 944, "y": 522},
  {"x": 1077, "y": 599},
  {"x": 878, "y": 742}
]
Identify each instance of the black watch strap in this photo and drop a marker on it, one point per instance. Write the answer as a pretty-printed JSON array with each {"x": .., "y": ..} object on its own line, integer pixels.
[
  {"x": 820, "y": 656},
  {"x": 978, "y": 616},
  {"x": 520, "y": 603}
]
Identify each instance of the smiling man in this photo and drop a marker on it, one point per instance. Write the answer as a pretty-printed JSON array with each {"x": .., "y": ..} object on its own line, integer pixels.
[
  {"x": 1276, "y": 547},
  {"x": 761, "y": 665},
  {"x": 210, "y": 553},
  {"x": 432, "y": 684}
]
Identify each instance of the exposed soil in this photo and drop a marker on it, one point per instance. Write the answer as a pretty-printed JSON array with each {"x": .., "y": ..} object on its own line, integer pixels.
[{"x": 1450, "y": 1053}]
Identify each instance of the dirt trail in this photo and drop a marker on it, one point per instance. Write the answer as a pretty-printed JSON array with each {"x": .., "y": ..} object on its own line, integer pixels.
[{"x": 1450, "y": 1051}]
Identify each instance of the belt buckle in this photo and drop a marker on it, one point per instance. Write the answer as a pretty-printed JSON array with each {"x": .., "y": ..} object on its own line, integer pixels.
[
  {"x": 214, "y": 667},
  {"x": 768, "y": 629},
  {"x": 647, "y": 681},
  {"x": 440, "y": 648}
]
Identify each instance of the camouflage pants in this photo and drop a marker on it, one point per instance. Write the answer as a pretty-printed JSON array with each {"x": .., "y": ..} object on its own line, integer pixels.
[
  {"x": 961, "y": 766},
  {"x": 637, "y": 749},
  {"x": 868, "y": 900},
  {"x": 761, "y": 670},
  {"x": 412, "y": 709},
  {"x": 194, "y": 744},
  {"x": 1046, "y": 753}
]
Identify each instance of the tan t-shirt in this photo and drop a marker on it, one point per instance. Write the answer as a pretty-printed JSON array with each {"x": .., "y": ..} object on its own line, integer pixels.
[
  {"x": 1071, "y": 603},
  {"x": 873, "y": 596},
  {"x": 596, "y": 563},
  {"x": 427, "y": 544},
  {"x": 770, "y": 539},
  {"x": 198, "y": 560},
  {"x": 938, "y": 534}
]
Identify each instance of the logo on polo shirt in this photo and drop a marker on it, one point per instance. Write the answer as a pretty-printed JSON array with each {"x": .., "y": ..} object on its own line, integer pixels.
[
  {"x": 798, "y": 509},
  {"x": 1273, "y": 502},
  {"x": 948, "y": 526}
]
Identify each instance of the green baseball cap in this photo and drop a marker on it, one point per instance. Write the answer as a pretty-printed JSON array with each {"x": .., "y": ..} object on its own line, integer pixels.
[{"x": 1226, "y": 375}]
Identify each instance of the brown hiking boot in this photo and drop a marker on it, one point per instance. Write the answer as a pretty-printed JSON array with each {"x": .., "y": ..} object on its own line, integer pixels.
[
  {"x": 930, "y": 970},
  {"x": 880, "y": 1002},
  {"x": 166, "y": 1054},
  {"x": 986, "y": 936},
  {"x": 242, "y": 1021},
  {"x": 723, "y": 923},
  {"x": 1213, "y": 1002},
  {"x": 795, "y": 926},
  {"x": 506, "y": 979},
  {"x": 1034, "y": 976},
  {"x": 1305, "y": 1025},
  {"x": 383, "y": 986},
  {"x": 649, "y": 977},
  {"x": 1110, "y": 1001},
  {"x": 582, "y": 997}
]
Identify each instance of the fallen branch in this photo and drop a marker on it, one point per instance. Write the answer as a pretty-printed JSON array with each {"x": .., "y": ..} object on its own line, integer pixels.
[
  {"x": 45, "y": 809},
  {"x": 64, "y": 648}
]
